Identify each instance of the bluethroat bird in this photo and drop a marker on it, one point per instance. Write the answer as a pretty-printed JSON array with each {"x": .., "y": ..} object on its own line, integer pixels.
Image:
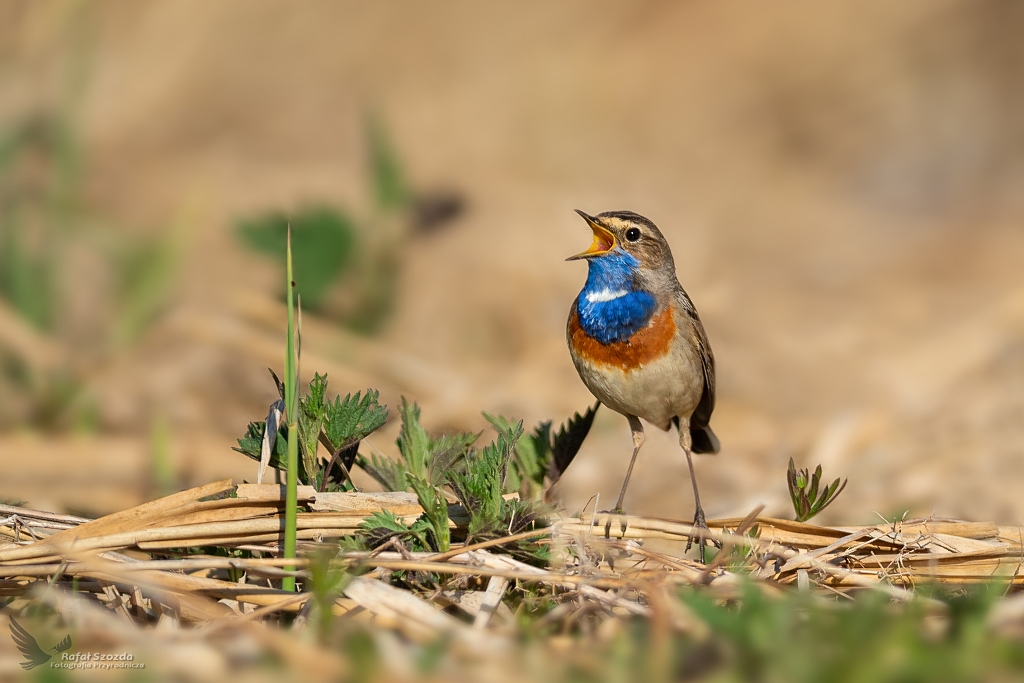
[{"x": 637, "y": 342}]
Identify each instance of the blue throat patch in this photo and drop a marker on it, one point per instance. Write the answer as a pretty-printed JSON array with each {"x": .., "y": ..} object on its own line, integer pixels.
[{"x": 610, "y": 309}]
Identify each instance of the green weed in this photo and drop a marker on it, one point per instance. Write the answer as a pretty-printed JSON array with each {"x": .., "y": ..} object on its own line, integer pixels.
[{"x": 803, "y": 489}]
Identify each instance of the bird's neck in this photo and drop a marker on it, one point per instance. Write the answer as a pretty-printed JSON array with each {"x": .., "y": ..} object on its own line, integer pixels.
[{"x": 612, "y": 307}]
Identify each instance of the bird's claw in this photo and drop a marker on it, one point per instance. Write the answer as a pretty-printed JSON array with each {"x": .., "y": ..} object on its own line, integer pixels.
[
  {"x": 608, "y": 521},
  {"x": 700, "y": 522}
]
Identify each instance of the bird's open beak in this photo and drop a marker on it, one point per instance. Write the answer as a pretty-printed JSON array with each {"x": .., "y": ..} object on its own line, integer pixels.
[{"x": 604, "y": 240}]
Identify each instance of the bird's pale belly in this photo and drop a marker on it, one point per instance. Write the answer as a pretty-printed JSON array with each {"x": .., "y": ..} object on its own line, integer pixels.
[
  {"x": 653, "y": 377},
  {"x": 656, "y": 391}
]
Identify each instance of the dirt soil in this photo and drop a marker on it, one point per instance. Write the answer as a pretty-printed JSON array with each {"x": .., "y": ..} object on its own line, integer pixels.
[{"x": 840, "y": 185}]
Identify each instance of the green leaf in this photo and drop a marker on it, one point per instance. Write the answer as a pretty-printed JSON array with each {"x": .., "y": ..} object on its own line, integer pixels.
[
  {"x": 382, "y": 526},
  {"x": 390, "y": 189},
  {"x": 312, "y": 413},
  {"x": 815, "y": 480},
  {"x": 435, "y": 511},
  {"x": 530, "y": 457},
  {"x": 541, "y": 456},
  {"x": 413, "y": 441},
  {"x": 525, "y": 515},
  {"x": 390, "y": 474},
  {"x": 353, "y": 418},
  {"x": 446, "y": 453},
  {"x": 323, "y": 246},
  {"x": 803, "y": 490},
  {"x": 251, "y": 443}
]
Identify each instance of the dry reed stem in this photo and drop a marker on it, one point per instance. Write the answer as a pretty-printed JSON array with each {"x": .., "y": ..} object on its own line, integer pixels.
[{"x": 886, "y": 558}]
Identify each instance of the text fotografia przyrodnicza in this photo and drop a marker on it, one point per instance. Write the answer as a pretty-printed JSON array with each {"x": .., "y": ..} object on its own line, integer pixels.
[{"x": 97, "y": 660}]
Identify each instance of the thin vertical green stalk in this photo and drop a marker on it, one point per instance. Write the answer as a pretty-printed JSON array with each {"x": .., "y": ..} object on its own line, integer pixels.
[{"x": 291, "y": 401}]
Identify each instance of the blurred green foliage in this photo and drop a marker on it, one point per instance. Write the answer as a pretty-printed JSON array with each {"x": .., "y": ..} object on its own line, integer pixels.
[
  {"x": 33, "y": 212},
  {"x": 789, "y": 637},
  {"x": 798, "y": 637},
  {"x": 26, "y": 276},
  {"x": 145, "y": 268},
  {"x": 391, "y": 191},
  {"x": 45, "y": 228},
  {"x": 323, "y": 241},
  {"x": 331, "y": 248}
]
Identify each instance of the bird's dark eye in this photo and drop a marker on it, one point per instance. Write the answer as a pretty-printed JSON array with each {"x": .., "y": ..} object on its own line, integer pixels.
[{"x": 633, "y": 234}]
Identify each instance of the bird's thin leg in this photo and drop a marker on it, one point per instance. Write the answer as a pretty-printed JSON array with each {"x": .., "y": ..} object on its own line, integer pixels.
[
  {"x": 698, "y": 516},
  {"x": 699, "y": 521},
  {"x": 638, "y": 441}
]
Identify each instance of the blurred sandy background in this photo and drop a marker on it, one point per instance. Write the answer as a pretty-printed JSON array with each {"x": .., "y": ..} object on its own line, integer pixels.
[{"x": 840, "y": 182}]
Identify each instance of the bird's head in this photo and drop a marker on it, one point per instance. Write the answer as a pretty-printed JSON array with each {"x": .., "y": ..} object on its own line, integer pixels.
[{"x": 624, "y": 233}]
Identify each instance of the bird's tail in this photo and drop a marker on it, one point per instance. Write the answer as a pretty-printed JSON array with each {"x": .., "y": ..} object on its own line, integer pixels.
[{"x": 704, "y": 440}]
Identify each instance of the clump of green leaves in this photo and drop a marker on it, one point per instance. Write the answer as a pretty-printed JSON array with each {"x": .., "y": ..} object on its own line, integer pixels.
[
  {"x": 541, "y": 457},
  {"x": 483, "y": 480},
  {"x": 338, "y": 425},
  {"x": 422, "y": 456},
  {"x": 479, "y": 478},
  {"x": 808, "y": 501},
  {"x": 424, "y": 466},
  {"x": 481, "y": 485}
]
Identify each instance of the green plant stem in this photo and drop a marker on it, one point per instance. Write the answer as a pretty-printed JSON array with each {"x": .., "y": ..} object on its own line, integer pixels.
[{"x": 291, "y": 405}]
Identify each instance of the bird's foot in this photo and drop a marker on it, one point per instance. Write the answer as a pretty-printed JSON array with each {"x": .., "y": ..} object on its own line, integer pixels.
[
  {"x": 701, "y": 524},
  {"x": 608, "y": 520}
]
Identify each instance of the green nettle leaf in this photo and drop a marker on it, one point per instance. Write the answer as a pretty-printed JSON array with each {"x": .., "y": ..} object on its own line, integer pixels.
[
  {"x": 435, "y": 511},
  {"x": 526, "y": 515},
  {"x": 382, "y": 526},
  {"x": 351, "y": 419},
  {"x": 252, "y": 442},
  {"x": 533, "y": 452},
  {"x": 312, "y": 413},
  {"x": 447, "y": 452},
  {"x": 390, "y": 474},
  {"x": 413, "y": 441},
  {"x": 530, "y": 456},
  {"x": 344, "y": 422}
]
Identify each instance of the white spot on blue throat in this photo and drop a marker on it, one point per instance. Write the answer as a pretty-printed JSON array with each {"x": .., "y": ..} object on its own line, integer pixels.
[{"x": 605, "y": 295}]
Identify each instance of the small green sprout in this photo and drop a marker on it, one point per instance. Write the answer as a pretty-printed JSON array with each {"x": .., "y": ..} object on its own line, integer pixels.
[{"x": 803, "y": 489}]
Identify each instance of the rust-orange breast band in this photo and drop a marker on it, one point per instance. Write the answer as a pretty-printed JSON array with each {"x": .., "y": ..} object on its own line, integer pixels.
[{"x": 647, "y": 344}]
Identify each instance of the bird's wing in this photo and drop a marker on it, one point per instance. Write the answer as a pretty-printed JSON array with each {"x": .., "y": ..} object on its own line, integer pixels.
[
  {"x": 702, "y": 414},
  {"x": 28, "y": 646},
  {"x": 63, "y": 645}
]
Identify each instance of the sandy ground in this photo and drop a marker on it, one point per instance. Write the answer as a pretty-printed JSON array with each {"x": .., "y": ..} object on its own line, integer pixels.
[{"x": 840, "y": 185}]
